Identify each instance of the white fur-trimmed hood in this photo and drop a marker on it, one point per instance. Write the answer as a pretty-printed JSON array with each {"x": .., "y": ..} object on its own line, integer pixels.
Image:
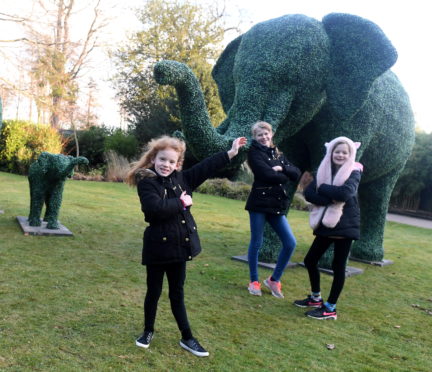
[{"x": 330, "y": 215}]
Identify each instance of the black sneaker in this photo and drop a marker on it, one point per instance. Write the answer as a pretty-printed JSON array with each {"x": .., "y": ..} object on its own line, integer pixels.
[
  {"x": 309, "y": 302},
  {"x": 144, "y": 340},
  {"x": 322, "y": 313},
  {"x": 194, "y": 347}
]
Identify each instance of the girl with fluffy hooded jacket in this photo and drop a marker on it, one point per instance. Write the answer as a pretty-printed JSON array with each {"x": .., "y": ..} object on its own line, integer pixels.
[{"x": 335, "y": 219}]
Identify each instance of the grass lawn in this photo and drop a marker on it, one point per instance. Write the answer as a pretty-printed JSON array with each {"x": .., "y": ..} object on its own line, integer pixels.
[{"x": 75, "y": 303}]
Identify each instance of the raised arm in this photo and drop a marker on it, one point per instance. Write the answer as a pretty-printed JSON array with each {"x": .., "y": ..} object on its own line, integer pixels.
[{"x": 198, "y": 173}]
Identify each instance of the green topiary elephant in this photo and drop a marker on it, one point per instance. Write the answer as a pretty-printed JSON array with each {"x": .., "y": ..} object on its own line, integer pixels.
[
  {"x": 313, "y": 81},
  {"x": 47, "y": 176}
]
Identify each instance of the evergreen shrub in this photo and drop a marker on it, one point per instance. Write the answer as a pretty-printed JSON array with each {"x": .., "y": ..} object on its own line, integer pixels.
[
  {"x": 21, "y": 142},
  {"x": 240, "y": 191},
  {"x": 122, "y": 143},
  {"x": 92, "y": 145}
]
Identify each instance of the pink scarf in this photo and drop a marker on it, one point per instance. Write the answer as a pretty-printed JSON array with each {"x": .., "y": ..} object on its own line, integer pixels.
[{"x": 331, "y": 214}]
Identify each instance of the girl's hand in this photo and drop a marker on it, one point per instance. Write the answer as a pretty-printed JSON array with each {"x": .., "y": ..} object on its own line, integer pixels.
[
  {"x": 237, "y": 143},
  {"x": 186, "y": 199},
  {"x": 358, "y": 166},
  {"x": 277, "y": 168}
]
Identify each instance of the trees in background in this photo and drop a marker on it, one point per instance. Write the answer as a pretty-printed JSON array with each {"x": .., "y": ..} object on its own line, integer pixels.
[
  {"x": 171, "y": 29},
  {"x": 56, "y": 54},
  {"x": 413, "y": 189},
  {"x": 96, "y": 141}
]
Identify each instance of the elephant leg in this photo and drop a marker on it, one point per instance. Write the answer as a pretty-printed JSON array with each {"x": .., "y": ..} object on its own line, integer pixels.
[
  {"x": 270, "y": 249},
  {"x": 53, "y": 206},
  {"x": 36, "y": 203},
  {"x": 374, "y": 198}
]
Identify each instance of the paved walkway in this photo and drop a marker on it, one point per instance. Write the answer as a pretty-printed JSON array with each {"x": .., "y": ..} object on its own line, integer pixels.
[{"x": 427, "y": 224}]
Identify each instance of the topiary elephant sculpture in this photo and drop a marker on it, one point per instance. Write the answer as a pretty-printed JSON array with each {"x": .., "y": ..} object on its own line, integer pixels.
[
  {"x": 47, "y": 176},
  {"x": 313, "y": 81}
]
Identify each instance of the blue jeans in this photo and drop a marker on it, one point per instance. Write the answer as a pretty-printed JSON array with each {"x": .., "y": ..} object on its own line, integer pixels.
[{"x": 282, "y": 228}]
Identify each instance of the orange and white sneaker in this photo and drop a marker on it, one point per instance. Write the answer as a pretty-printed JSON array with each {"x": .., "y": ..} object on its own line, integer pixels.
[
  {"x": 254, "y": 288},
  {"x": 274, "y": 286}
]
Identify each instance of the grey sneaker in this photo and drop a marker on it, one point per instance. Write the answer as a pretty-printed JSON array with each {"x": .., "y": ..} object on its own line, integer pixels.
[
  {"x": 275, "y": 287},
  {"x": 194, "y": 347},
  {"x": 144, "y": 339},
  {"x": 254, "y": 288}
]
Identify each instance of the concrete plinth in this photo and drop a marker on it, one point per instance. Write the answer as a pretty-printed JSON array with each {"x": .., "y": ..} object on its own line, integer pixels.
[
  {"x": 375, "y": 263},
  {"x": 41, "y": 230},
  {"x": 349, "y": 270},
  {"x": 271, "y": 266}
]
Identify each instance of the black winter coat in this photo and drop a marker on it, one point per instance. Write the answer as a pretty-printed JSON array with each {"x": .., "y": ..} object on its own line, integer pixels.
[
  {"x": 172, "y": 234},
  {"x": 349, "y": 223},
  {"x": 268, "y": 189}
]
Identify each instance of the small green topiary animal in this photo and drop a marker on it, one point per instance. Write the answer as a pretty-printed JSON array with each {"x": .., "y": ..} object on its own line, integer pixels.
[
  {"x": 313, "y": 81},
  {"x": 47, "y": 176}
]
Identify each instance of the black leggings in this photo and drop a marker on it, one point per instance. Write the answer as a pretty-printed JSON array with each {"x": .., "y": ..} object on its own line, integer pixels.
[
  {"x": 176, "y": 274},
  {"x": 341, "y": 252}
]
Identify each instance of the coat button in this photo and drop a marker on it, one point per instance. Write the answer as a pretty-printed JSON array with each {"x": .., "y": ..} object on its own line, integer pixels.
[
  {"x": 164, "y": 238},
  {"x": 263, "y": 193},
  {"x": 190, "y": 257},
  {"x": 278, "y": 212},
  {"x": 269, "y": 159},
  {"x": 183, "y": 221},
  {"x": 187, "y": 239},
  {"x": 194, "y": 228}
]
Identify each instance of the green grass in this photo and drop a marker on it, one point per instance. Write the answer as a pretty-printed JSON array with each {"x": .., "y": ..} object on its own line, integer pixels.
[{"x": 75, "y": 303}]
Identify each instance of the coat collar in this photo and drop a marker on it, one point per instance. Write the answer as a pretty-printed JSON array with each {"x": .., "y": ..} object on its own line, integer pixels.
[
  {"x": 257, "y": 145},
  {"x": 143, "y": 173}
]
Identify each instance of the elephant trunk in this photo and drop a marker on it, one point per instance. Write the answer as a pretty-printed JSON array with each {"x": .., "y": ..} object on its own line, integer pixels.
[
  {"x": 201, "y": 136},
  {"x": 68, "y": 170}
]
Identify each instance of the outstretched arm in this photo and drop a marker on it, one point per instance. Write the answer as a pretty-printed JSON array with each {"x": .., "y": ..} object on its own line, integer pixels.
[{"x": 197, "y": 174}]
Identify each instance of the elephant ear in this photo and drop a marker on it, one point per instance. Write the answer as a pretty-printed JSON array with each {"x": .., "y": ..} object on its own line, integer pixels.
[
  {"x": 359, "y": 53},
  {"x": 223, "y": 74}
]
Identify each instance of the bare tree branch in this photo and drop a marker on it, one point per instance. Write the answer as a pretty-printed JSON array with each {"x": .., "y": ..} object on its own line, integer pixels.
[{"x": 12, "y": 18}]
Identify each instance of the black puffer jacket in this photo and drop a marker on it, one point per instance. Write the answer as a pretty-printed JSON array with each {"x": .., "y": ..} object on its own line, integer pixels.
[
  {"x": 172, "y": 234},
  {"x": 268, "y": 190},
  {"x": 349, "y": 224}
]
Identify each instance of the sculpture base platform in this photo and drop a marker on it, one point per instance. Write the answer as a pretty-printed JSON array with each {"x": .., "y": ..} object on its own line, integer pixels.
[
  {"x": 349, "y": 271},
  {"x": 271, "y": 266},
  {"x": 375, "y": 263},
  {"x": 41, "y": 230}
]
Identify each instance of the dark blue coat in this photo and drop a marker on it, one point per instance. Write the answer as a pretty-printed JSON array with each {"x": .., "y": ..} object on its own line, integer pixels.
[
  {"x": 172, "y": 234},
  {"x": 268, "y": 190},
  {"x": 349, "y": 224}
]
